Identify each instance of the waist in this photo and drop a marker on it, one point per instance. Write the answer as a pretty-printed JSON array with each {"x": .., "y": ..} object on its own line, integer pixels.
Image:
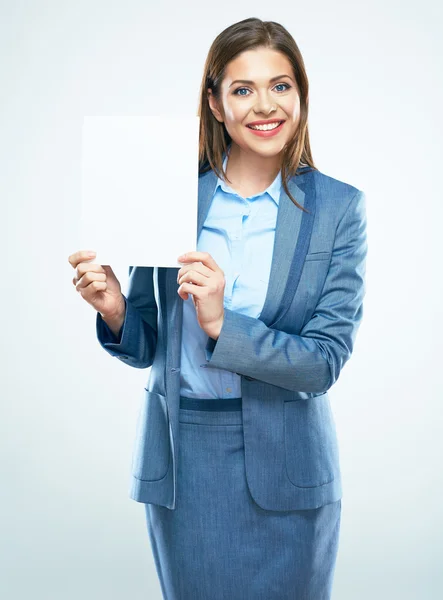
[{"x": 210, "y": 403}]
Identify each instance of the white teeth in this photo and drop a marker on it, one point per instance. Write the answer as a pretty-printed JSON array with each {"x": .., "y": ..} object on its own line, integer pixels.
[{"x": 265, "y": 127}]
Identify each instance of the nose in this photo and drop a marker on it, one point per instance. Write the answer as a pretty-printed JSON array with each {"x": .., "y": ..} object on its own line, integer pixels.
[{"x": 265, "y": 104}]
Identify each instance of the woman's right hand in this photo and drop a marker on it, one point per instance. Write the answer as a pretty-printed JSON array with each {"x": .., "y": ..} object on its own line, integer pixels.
[{"x": 97, "y": 284}]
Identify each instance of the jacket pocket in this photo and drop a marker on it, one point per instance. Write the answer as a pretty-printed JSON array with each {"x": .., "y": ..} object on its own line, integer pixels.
[
  {"x": 311, "y": 447},
  {"x": 152, "y": 448}
]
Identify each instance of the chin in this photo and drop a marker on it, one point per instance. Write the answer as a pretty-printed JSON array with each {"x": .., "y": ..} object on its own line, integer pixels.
[{"x": 267, "y": 150}]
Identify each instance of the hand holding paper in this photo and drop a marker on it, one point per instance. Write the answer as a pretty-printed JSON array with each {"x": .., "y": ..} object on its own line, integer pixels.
[
  {"x": 206, "y": 282},
  {"x": 98, "y": 285}
]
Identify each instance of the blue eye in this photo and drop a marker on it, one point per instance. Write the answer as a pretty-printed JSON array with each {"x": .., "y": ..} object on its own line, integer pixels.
[
  {"x": 238, "y": 90},
  {"x": 286, "y": 84},
  {"x": 235, "y": 93}
]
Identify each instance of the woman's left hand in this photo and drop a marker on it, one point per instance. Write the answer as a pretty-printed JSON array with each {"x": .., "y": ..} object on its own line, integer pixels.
[{"x": 207, "y": 289}]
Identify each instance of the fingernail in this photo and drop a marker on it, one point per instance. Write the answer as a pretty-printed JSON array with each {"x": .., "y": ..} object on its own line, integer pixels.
[{"x": 91, "y": 253}]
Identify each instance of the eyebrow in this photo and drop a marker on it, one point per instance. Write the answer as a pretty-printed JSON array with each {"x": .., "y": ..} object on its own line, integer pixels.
[{"x": 252, "y": 83}]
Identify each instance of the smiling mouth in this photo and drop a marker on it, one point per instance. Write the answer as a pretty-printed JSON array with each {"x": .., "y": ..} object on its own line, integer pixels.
[{"x": 264, "y": 127}]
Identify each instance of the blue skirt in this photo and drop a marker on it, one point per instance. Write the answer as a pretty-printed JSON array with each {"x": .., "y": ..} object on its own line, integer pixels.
[{"x": 218, "y": 544}]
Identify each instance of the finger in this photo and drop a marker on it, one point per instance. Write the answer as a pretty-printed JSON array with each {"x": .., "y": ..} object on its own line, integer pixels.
[
  {"x": 93, "y": 288},
  {"x": 195, "y": 278},
  {"x": 204, "y": 257},
  {"x": 198, "y": 266},
  {"x": 85, "y": 267},
  {"x": 195, "y": 274},
  {"x": 80, "y": 256},
  {"x": 87, "y": 278},
  {"x": 189, "y": 288}
]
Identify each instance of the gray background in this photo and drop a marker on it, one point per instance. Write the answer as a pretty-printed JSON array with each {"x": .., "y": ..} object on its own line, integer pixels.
[{"x": 68, "y": 527}]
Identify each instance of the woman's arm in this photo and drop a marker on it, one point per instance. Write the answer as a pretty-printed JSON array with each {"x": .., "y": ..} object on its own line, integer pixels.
[
  {"x": 137, "y": 340},
  {"x": 311, "y": 361}
]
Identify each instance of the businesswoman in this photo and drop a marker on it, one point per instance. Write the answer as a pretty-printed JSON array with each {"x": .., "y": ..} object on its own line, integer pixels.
[{"x": 236, "y": 458}]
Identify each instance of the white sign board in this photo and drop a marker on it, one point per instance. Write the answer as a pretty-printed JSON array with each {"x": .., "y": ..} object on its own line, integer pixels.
[{"x": 139, "y": 189}]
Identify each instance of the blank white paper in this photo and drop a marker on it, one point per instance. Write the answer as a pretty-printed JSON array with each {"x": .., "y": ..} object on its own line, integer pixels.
[{"x": 139, "y": 189}]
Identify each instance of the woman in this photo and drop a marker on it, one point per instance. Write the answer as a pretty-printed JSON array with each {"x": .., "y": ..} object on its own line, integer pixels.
[{"x": 236, "y": 459}]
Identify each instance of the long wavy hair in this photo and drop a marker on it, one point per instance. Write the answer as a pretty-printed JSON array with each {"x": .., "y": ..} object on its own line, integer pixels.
[{"x": 213, "y": 137}]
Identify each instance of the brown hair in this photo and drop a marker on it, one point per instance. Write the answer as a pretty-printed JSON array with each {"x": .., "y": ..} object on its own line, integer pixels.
[{"x": 214, "y": 138}]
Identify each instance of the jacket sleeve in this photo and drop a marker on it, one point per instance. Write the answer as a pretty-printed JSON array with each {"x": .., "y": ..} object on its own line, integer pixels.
[
  {"x": 137, "y": 339},
  {"x": 312, "y": 360}
]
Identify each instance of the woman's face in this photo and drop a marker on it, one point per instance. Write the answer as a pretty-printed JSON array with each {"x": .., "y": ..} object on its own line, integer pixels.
[{"x": 258, "y": 85}]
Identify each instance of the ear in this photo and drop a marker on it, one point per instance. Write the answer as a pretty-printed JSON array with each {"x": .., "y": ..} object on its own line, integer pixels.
[{"x": 214, "y": 106}]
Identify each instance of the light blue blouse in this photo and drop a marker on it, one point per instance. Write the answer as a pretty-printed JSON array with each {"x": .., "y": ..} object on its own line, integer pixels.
[{"x": 239, "y": 234}]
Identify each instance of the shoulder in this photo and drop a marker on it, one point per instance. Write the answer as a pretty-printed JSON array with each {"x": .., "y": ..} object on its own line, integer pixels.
[
  {"x": 334, "y": 188},
  {"x": 332, "y": 194}
]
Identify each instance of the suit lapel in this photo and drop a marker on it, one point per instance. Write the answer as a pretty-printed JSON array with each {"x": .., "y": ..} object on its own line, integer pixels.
[
  {"x": 291, "y": 243},
  {"x": 206, "y": 187},
  {"x": 292, "y": 236}
]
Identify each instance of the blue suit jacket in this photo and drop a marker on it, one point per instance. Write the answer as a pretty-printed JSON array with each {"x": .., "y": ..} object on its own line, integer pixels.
[{"x": 287, "y": 358}]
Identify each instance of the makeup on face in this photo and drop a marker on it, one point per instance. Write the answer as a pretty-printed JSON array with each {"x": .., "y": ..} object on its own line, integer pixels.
[{"x": 260, "y": 94}]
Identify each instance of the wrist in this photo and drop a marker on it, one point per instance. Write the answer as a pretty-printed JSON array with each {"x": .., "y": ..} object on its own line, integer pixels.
[
  {"x": 117, "y": 314},
  {"x": 213, "y": 331}
]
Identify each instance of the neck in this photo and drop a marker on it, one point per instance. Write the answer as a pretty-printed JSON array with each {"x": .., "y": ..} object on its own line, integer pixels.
[{"x": 247, "y": 166}]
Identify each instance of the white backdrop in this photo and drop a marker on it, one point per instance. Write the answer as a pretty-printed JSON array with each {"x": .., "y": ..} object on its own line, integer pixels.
[{"x": 69, "y": 529}]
